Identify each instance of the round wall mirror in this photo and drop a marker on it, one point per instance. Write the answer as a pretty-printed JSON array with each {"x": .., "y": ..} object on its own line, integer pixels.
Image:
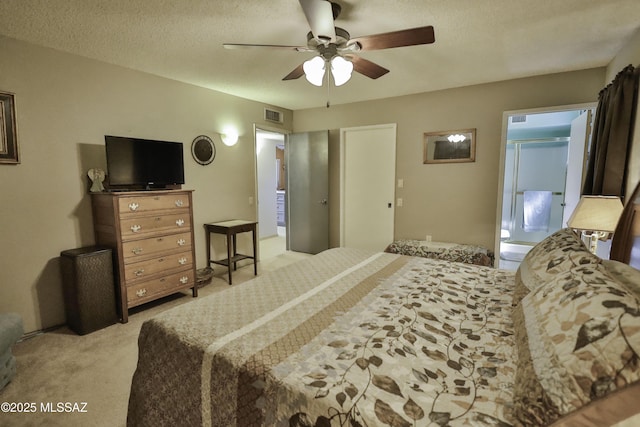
[{"x": 203, "y": 150}]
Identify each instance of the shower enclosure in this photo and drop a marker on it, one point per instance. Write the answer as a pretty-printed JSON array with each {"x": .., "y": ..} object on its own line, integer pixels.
[
  {"x": 544, "y": 154},
  {"x": 534, "y": 191}
]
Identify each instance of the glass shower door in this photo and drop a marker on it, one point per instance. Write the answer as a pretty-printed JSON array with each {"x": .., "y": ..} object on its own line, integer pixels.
[{"x": 535, "y": 177}]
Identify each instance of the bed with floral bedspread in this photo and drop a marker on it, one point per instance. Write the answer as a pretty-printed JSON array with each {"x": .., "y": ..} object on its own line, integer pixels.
[
  {"x": 353, "y": 338},
  {"x": 470, "y": 254}
]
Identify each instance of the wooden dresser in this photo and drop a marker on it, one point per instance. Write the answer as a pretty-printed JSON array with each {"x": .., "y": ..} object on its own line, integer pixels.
[{"x": 151, "y": 233}]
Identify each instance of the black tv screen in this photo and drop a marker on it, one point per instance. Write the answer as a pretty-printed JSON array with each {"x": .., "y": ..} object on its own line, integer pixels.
[{"x": 139, "y": 162}]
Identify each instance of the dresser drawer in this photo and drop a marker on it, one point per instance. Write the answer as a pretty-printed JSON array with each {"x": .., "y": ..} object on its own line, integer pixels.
[
  {"x": 143, "y": 270},
  {"x": 155, "y": 288},
  {"x": 137, "y": 250},
  {"x": 163, "y": 202},
  {"x": 142, "y": 225}
]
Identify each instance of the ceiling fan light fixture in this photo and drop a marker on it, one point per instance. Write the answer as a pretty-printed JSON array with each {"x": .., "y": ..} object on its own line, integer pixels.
[
  {"x": 314, "y": 70},
  {"x": 341, "y": 70}
]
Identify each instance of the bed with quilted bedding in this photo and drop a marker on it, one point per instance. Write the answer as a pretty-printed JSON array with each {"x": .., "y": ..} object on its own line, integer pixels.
[
  {"x": 471, "y": 254},
  {"x": 352, "y": 338}
]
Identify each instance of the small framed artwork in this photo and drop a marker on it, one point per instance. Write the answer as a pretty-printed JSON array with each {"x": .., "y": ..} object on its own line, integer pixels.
[
  {"x": 8, "y": 138},
  {"x": 453, "y": 146}
]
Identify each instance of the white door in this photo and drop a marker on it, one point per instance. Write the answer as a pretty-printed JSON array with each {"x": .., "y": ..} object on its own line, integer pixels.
[
  {"x": 368, "y": 160},
  {"x": 578, "y": 141}
]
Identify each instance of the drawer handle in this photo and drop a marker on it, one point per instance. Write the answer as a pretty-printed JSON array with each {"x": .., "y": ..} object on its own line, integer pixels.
[
  {"x": 180, "y": 222},
  {"x": 139, "y": 273},
  {"x": 179, "y": 203},
  {"x": 182, "y": 261},
  {"x": 141, "y": 292},
  {"x": 133, "y": 206},
  {"x": 184, "y": 280},
  {"x": 136, "y": 228},
  {"x": 182, "y": 242},
  {"x": 136, "y": 251}
]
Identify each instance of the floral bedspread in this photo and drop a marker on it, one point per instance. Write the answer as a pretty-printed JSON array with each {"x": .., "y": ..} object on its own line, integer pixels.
[
  {"x": 470, "y": 254},
  {"x": 345, "y": 337}
]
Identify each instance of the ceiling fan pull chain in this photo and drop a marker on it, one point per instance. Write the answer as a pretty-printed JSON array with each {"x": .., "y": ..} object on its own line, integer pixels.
[{"x": 328, "y": 89}]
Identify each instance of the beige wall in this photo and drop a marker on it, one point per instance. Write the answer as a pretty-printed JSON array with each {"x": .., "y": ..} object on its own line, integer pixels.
[
  {"x": 451, "y": 202},
  {"x": 65, "y": 105}
]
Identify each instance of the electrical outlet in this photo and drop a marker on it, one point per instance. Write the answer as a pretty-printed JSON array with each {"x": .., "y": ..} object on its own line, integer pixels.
[
  {"x": 399, "y": 202},
  {"x": 427, "y": 238},
  {"x": 250, "y": 200},
  {"x": 400, "y": 183}
]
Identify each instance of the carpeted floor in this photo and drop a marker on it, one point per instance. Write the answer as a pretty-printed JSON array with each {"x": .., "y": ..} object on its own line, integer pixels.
[{"x": 90, "y": 375}]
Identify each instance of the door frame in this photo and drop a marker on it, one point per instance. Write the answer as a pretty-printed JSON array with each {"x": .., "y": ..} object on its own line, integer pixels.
[
  {"x": 257, "y": 128},
  {"x": 393, "y": 126},
  {"x": 503, "y": 150}
]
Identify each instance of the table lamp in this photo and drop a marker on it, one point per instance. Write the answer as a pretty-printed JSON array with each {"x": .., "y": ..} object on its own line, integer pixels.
[{"x": 598, "y": 215}]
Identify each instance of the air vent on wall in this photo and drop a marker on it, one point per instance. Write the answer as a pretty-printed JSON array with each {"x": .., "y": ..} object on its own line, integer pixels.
[
  {"x": 273, "y": 115},
  {"x": 518, "y": 119}
]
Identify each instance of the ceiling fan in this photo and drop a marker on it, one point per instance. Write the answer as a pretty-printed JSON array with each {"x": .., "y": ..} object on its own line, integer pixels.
[{"x": 336, "y": 48}]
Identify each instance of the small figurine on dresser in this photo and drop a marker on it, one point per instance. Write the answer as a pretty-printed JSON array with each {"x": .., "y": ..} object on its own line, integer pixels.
[{"x": 97, "y": 178}]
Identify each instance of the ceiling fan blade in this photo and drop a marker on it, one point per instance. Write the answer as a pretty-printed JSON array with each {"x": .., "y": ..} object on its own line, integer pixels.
[
  {"x": 410, "y": 37},
  {"x": 295, "y": 74},
  {"x": 366, "y": 67},
  {"x": 319, "y": 15},
  {"x": 266, "y": 46}
]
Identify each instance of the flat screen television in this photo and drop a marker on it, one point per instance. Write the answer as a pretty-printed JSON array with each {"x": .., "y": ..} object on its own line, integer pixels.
[{"x": 134, "y": 163}]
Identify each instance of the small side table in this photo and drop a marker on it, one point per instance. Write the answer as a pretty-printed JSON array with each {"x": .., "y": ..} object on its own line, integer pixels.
[{"x": 230, "y": 229}]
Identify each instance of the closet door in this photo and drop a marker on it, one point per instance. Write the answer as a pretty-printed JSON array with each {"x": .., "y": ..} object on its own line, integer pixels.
[{"x": 368, "y": 162}]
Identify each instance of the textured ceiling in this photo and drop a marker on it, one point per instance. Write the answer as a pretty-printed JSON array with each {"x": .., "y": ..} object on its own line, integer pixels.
[{"x": 477, "y": 41}]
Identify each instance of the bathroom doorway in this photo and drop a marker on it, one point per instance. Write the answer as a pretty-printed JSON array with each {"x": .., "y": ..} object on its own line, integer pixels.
[
  {"x": 543, "y": 157},
  {"x": 270, "y": 162},
  {"x": 292, "y": 182}
]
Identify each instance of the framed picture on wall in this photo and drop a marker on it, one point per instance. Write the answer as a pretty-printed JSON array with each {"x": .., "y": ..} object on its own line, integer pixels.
[
  {"x": 453, "y": 146},
  {"x": 8, "y": 137}
]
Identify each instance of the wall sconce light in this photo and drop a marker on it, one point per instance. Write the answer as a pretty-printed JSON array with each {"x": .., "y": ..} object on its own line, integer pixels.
[{"x": 229, "y": 137}]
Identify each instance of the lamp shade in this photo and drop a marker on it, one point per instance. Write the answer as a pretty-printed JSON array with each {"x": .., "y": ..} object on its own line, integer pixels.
[
  {"x": 341, "y": 70},
  {"x": 314, "y": 70},
  {"x": 596, "y": 213}
]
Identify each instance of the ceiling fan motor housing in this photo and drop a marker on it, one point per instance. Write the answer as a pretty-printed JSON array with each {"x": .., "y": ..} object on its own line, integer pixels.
[{"x": 327, "y": 49}]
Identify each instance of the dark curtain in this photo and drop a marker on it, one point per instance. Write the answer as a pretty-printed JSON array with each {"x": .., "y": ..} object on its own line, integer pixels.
[{"x": 612, "y": 135}]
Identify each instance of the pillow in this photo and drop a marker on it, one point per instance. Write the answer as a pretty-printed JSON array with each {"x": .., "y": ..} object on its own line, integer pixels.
[
  {"x": 560, "y": 252},
  {"x": 625, "y": 274},
  {"x": 578, "y": 341}
]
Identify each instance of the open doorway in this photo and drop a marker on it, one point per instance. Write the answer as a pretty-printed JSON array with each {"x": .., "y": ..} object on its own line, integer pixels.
[
  {"x": 271, "y": 185},
  {"x": 543, "y": 158},
  {"x": 292, "y": 189}
]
